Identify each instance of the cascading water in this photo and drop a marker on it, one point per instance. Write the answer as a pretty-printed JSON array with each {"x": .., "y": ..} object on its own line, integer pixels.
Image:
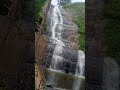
[
  {"x": 80, "y": 64},
  {"x": 57, "y": 21},
  {"x": 58, "y": 24},
  {"x": 60, "y": 56}
]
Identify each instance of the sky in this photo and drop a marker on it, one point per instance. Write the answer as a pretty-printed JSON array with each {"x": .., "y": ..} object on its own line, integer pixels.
[
  {"x": 54, "y": 2},
  {"x": 78, "y": 0}
]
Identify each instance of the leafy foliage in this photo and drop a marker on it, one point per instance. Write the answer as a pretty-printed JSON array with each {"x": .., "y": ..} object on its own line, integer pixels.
[
  {"x": 112, "y": 29},
  {"x": 38, "y": 10},
  {"x": 79, "y": 19}
]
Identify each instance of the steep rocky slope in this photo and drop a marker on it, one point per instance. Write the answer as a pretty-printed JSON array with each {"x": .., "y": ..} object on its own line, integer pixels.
[
  {"x": 41, "y": 42},
  {"x": 77, "y": 12}
]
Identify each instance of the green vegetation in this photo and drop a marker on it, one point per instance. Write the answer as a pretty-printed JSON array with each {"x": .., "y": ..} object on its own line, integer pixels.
[
  {"x": 112, "y": 29},
  {"x": 79, "y": 19},
  {"x": 38, "y": 10}
]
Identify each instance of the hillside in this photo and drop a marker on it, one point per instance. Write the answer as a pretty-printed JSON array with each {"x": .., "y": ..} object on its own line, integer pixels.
[{"x": 78, "y": 14}]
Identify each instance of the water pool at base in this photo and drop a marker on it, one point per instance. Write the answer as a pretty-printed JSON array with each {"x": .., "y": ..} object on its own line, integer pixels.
[{"x": 62, "y": 81}]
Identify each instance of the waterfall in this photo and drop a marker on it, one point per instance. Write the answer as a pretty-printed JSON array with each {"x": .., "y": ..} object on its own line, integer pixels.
[
  {"x": 80, "y": 64},
  {"x": 59, "y": 53},
  {"x": 64, "y": 63},
  {"x": 57, "y": 22}
]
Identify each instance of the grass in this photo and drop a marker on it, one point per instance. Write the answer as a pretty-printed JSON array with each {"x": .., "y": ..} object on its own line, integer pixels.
[{"x": 79, "y": 19}]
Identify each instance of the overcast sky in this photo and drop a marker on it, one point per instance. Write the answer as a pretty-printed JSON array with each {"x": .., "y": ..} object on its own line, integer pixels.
[
  {"x": 78, "y": 0},
  {"x": 54, "y": 2}
]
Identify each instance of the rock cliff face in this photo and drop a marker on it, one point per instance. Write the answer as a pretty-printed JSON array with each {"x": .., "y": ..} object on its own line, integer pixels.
[
  {"x": 40, "y": 38},
  {"x": 73, "y": 34},
  {"x": 41, "y": 42},
  {"x": 17, "y": 44}
]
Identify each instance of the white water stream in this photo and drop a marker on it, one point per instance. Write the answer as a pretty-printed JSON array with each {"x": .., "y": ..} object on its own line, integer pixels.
[
  {"x": 57, "y": 21},
  {"x": 56, "y": 38},
  {"x": 80, "y": 68}
]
